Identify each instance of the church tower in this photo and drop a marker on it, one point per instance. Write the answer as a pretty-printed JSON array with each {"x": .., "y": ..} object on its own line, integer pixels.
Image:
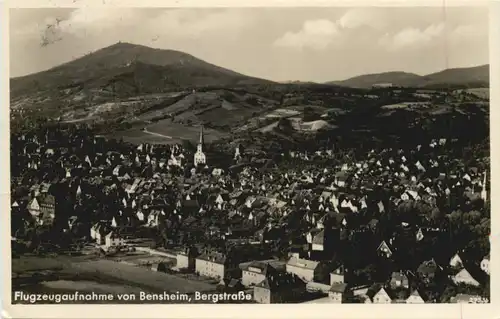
[
  {"x": 237, "y": 154},
  {"x": 199, "y": 156},
  {"x": 484, "y": 193}
]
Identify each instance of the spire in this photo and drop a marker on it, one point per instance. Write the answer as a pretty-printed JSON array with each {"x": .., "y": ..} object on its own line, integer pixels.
[
  {"x": 484, "y": 194},
  {"x": 201, "y": 136}
]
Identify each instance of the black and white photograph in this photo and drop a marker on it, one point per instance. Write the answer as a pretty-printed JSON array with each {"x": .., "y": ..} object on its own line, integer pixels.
[{"x": 259, "y": 155}]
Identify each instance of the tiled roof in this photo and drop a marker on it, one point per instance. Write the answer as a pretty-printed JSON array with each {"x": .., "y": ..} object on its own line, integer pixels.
[{"x": 302, "y": 263}]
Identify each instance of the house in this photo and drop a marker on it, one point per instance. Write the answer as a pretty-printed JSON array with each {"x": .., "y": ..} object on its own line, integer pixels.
[
  {"x": 399, "y": 279},
  {"x": 338, "y": 292},
  {"x": 305, "y": 269},
  {"x": 420, "y": 235},
  {"x": 384, "y": 250},
  {"x": 381, "y": 297},
  {"x": 318, "y": 242},
  {"x": 256, "y": 271},
  {"x": 94, "y": 230},
  {"x": 485, "y": 264},
  {"x": 427, "y": 270},
  {"x": 186, "y": 258},
  {"x": 456, "y": 261},
  {"x": 234, "y": 285},
  {"x": 112, "y": 239},
  {"x": 382, "y": 85},
  {"x": 100, "y": 231},
  {"x": 378, "y": 296},
  {"x": 341, "y": 178},
  {"x": 416, "y": 297},
  {"x": 279, "y": 288},
  {"x": 47, "y": 205},
  {"x": 465, "y": 277},
  {"x": 212, "y": 264},
  {"x": 140, "y": 216},
  {"x": 311, "y": 234},
  {"x": 337, "y": 276},
  {"x": 34, "y": 207}
]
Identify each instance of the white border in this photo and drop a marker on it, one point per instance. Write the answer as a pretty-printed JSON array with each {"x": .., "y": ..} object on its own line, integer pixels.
[{"x": 452, "y": 311}]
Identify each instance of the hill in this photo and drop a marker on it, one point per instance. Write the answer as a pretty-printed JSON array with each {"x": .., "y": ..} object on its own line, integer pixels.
[
  {"x": 368, "y": 80},
  {"x": 457, "y": 77},
  {"x": 127, "y": 70}
]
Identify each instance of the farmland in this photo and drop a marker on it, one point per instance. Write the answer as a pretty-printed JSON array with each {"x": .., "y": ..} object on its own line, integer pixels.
[
  {"x": 67, "y": 274},
  {"x": 483, "y": 93},
  {"x": 136, "y": 276}
]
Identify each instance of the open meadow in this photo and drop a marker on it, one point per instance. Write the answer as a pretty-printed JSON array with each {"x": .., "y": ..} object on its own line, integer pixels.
[{"x": 61, "y": 274}]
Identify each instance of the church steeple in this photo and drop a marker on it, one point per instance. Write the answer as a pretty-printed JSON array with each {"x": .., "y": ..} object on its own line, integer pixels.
[
  {"x": 484, "y": 194},
  {"x": 199, "y": 156},
  {"x": 201, "y": 136}
]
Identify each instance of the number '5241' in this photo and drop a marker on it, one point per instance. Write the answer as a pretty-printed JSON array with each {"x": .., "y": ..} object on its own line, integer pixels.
[{"x": 479, "y": 300}]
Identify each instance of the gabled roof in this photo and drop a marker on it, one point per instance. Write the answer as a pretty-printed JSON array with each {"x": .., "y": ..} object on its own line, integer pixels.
[
  {"x": 398, "y": 276},
  {"x": 384, "y": 244},
  {"x": 319, "y": 238},
  {"x": 341, "y": 287},
  {"x": 302, "y": 263},
  {"x": 214, "y": 257},
  {"x": 382, "y": 290},
  {"x": 234, "y": 283},
  {"x": 265, "y": 266},
  {"x": 422, "y": 295},
  {"x": 280, "y": 282}
]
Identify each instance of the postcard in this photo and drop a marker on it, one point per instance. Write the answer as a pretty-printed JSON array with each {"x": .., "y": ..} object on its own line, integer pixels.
[{"x": 207, "y": 159}]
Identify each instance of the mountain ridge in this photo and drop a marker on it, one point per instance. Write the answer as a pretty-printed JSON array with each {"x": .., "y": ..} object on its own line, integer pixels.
[
  {"x": 121, "y": 58},
  {"x": 465, "y": 76}
]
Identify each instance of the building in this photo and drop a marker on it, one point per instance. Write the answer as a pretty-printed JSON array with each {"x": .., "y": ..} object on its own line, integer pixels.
[
  {"x": 485, "y": 264},
  {"x": 382, "y": 85},
  {"x": 338, "y": 292},
  {"x": 199, "y": 156},
  {"x": 456, "y": 261},
  {"x": 212, "y": 264},
  {"x": 465, "y": 277},
  {"x": 415, "y": 297},
  {"x": 305, "y": 269},
  {"x": 34, "y": 207},
  {"x": 43, "y": 208},
  {"x": 237, "y": 154},
  {"x": 399, "y": 279},
  {"x": 112, "y": 239},
  {"x": 98, "y": 233},
  {"x": 186, "y": 258},
  {"x": 279, "y": 288},
  {"x": 318, "y": 241},
  {"x": 337, "y": 276},
  {"x": 484, "y": 193},
  {"x": 384, "y": 250},
  {"x": 382, "y": 297},
  {"x": 428, "y": 270},
  {"x": 256, "y": 271}
]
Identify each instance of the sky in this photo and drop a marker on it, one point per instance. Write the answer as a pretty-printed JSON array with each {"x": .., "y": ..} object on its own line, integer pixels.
[{"x": 279, "y": 44}]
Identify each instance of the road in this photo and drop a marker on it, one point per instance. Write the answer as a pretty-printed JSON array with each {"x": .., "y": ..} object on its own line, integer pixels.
[{"x": 156, "y": 134}]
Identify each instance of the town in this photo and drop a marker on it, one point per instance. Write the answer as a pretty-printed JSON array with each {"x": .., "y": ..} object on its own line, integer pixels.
[{"x": 403, "y": 224}]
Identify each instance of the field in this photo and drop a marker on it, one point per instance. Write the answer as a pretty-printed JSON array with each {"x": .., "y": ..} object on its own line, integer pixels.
[
  {"x": 178, "y": 131},
  {"x": 141, "y": 277},
  {"x": 89, "y": 286},
  {"x": 138, "y": 136},
  {"x": 483, "y": 93},
  {"x": 404, "y": 105},
  {"x": 35, "y": 263},
  {"x": 70, "y": 274}
]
